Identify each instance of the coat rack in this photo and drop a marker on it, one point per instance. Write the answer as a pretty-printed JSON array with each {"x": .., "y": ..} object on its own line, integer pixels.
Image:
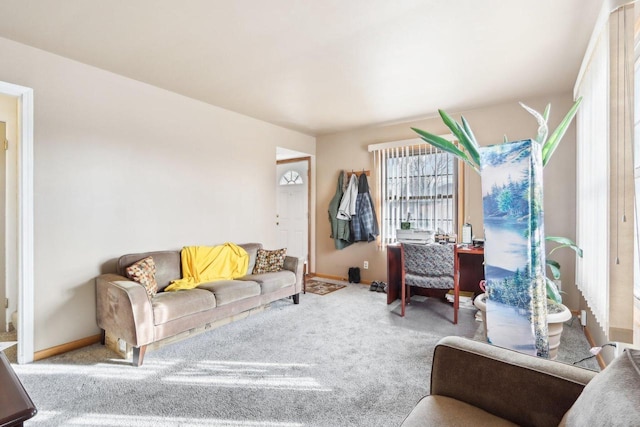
[{"x": 358, "y": 173}]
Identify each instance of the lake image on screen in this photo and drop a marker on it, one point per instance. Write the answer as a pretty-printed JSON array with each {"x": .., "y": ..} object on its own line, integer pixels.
[{"x": 506, "y": 172}]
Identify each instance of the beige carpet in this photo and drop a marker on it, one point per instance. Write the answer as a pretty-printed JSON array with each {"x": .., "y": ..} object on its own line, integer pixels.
[
  {"x": 345, "y": 360},
  {"x": 335, "y": 360}
]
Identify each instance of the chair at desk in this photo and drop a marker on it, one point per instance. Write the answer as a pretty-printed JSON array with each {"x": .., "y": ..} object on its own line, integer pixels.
[{"x": 425, "y": 266}]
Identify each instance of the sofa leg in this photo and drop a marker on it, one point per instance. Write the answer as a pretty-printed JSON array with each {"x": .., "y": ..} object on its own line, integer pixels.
[
  {"x": 103, "y": 336},
  {"x": 296, "y": 299},
  {"x": 138, "y": 355}
]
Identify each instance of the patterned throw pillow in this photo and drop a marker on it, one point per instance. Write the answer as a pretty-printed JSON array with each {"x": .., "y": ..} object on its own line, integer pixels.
[
  {"x": 268, "y": 261},
  {"x": 144, "y": 272}
]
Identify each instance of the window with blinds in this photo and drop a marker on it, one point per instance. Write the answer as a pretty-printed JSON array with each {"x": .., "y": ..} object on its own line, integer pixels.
[
  {"x": 416, "y": 183},
  {"x": 604, "y": 182},
  {"x": 592, "y": 132}
]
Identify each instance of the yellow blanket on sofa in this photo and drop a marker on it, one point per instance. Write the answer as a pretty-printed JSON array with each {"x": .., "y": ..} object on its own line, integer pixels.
[{"x": 201, "y": 264}]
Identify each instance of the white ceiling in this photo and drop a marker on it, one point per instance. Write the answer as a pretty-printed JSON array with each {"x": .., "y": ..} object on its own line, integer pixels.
[{"x": 321, "y": 66}]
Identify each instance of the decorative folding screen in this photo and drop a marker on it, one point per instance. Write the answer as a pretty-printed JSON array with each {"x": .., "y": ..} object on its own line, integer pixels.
[{"x": 514, "y": 249}]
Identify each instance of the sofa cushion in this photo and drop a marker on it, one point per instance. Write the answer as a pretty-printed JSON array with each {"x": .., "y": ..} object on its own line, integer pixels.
[
  {"x": 270, "y": 282},
  {"x": 269, "y": 261},
  {"x": 228, "y": 291},
  {"x": 612, "y": 397},
  {"x": 144, "y": 272},
  {"x": 444, "y": 411},
  {"x": 252, "y": 250},
  {"x": 169, "y": 306},
  {"x": 167, "y": 265}
]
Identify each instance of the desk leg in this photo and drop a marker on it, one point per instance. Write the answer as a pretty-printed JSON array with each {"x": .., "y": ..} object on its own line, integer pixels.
[
  {"x": 456, "y": 286},
  {"x": 305, "y": 268},
  {"x": 394, "y": 274},
  {"x": 403, "y": 294},
  {"x": 456, "y": 302}
]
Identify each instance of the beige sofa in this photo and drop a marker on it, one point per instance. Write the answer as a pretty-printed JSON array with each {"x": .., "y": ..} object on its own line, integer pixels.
[
  {"x": 124, "y": 310},
  {"x": 477, "y": 384}
]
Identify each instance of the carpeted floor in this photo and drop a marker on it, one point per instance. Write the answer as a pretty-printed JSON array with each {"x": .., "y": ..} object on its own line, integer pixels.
[{"x": 342, "y": 359}]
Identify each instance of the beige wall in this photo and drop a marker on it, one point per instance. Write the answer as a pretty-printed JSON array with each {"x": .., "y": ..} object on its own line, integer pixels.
[
  {"x": 348, "y": 150},
  {"x": 120, "y": 167}
]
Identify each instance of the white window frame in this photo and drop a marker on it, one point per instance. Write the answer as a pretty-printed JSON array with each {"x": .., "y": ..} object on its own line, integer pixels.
[{"x": 391, "y": 217}]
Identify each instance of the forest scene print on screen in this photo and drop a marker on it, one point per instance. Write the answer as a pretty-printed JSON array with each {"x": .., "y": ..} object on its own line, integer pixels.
[{"x": 514, "y": 252}]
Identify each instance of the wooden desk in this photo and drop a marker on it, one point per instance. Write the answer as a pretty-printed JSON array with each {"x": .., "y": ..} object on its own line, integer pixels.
[
  {"x": 394, "y": 273},
  {"x": 15, "y": 404},
  {"x": 468, "y": 271}
]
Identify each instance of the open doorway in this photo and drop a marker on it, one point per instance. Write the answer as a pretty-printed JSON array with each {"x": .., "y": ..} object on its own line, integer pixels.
[
  {"x": 19, "y": 218},
  {"x": 8, "y": 227}
]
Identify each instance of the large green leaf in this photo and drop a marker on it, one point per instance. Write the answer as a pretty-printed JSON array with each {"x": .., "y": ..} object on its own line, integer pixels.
[
  {"x": 554, "y": 266},
  {"x": 462, "y": 136},
  {"x": 467, "y": 129},
  {"x": 555, "y": 138},
  {"x": 564, "y": 242},
  {"x": 444, "y": 145},
  {"x": 552, "y": 291},
  {"x": 469, "y": 145}
]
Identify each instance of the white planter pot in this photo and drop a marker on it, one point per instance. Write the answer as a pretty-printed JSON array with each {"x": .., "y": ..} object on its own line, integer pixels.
[{"x": 555, "y": 321}]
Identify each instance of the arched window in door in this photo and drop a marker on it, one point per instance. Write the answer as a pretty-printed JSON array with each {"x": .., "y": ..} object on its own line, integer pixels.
[{"x": 291, "y": 177}]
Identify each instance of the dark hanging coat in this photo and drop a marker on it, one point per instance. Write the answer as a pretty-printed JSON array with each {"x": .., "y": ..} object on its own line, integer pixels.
[
  {"x": 340, "y": 231},
  {"x": 364, "y": 224}
]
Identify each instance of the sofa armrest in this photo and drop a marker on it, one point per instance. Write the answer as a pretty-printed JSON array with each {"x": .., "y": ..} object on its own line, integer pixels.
[
  {"x": 124, "y": 309},
  {"x": 297, "y": 266},
  {"x": 523, "y": 389}
]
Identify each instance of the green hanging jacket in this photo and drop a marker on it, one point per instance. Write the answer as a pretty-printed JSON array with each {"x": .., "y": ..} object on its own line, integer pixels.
[{"x": 340, "y": 228}]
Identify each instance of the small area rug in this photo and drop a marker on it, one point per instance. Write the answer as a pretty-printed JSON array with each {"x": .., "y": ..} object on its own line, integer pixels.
[{"x": 322, "y": 288}]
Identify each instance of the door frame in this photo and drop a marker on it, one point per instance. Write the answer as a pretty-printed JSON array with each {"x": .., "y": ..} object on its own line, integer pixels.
[
  {"x": 308, "y": 160},
  {"x": 25, "y": 216},
  {"x": 4, "y": 221}
]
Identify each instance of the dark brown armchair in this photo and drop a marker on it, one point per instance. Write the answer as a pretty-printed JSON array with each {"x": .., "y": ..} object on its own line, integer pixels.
[{"x": 477, "y": 384}]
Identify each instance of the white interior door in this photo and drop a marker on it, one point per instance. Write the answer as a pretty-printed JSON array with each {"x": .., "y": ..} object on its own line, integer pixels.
[{"x": 292, "y": 217}]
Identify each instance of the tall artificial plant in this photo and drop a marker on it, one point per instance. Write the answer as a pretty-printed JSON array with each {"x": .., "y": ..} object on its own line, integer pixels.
[{"x": 467, "y": 151}]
